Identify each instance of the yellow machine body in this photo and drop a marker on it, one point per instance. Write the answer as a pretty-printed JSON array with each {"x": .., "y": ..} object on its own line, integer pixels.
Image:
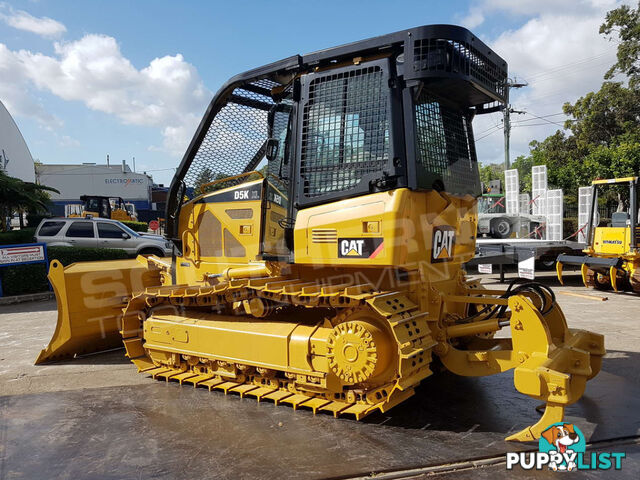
[
  {"x": 107, "y": 207},
  {"x": 337, "y": 301},
  {"x": 612, "y": 258},
  {"x": 367, "y": 357},
  {"x": 91, "y": 296}
]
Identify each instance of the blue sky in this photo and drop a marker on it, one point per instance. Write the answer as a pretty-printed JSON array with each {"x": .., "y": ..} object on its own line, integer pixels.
[{"x": 86, "y": 79}]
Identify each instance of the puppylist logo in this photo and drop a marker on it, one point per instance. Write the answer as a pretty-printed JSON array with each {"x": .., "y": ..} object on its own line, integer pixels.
[{"x": 562, "y": 447}]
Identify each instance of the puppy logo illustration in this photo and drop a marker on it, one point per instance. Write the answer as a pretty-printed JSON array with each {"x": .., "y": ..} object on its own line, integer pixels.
[{"x": 563, "y": 442}]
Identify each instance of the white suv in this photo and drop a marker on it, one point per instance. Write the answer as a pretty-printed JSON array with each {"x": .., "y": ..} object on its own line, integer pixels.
[{"x": 99, "y": 233}]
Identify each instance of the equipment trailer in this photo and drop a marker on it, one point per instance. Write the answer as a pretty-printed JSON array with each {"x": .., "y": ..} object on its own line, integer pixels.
[{"x": 513, "y": 251}]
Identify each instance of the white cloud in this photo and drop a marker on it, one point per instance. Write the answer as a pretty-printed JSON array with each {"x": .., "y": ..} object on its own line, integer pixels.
[
  {"x": 68, "y": 142},
  {"x": 167, "y": 94},
  {"x": 15, "y": 94},
  {"x": 474, "y": 18},
  {"x": 43, "y": 26},
  {"x": 482, "y": 10},
  {"x": 561, "y": 55},
  {"x": 177, "y": 138}
]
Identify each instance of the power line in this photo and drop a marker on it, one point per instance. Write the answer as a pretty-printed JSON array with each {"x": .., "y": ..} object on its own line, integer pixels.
[
  {"x": 565, "y": 66},
  {"x": 544, "y": 119},
  {"x": 539, "y": 117},
  {"x": 553, "y": 93},
  {"x": 489, "y": 129},
  {"x": 530, "y": 125},
  {"x": 488, "y": 134},
  {"x": 161, "y": 169}
]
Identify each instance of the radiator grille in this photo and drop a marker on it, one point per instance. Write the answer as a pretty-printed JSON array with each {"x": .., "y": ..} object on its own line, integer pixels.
[{"x": 324, "y": 235}]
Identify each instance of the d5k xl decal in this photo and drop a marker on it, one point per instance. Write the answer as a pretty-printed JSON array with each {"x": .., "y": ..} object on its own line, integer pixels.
[
  {"x": 359, "y": 247},
  {"x": 444, "y": 240}
]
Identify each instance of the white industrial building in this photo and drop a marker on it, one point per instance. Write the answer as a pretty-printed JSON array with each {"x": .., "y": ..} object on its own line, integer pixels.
[
  {"x": 15, "y": 158},
  {"x": 74, "y": 180}
]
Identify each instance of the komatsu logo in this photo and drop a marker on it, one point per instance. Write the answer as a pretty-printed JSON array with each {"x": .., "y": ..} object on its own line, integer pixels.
[{"x": 444, "y": 239}]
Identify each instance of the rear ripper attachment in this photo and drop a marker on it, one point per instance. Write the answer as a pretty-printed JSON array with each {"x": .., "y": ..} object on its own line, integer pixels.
[{"x": 551, "y": 362}]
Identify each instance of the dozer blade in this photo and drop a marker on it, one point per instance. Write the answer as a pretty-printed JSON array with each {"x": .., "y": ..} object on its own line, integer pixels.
[
  {"x": 90, "y": 297},
  {"x": 586, "y": 263}
]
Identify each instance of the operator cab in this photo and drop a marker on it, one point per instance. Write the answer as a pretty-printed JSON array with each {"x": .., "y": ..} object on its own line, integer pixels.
[{"x": 377, "y": 115}]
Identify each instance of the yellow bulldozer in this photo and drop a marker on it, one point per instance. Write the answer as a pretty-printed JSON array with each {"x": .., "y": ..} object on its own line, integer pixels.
[
  {"x": 321, "y": 217},
  {"x": 114, "y": 208},
  {"x": 612, "y": 257}
]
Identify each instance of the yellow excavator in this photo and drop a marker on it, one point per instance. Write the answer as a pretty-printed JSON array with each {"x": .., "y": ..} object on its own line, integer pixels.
[
  {"x": 321, "y": 217},
  {"x": 612, "y": 257}
]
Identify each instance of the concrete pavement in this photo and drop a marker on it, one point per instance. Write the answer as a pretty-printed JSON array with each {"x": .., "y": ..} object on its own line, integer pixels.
[{"x": 95, "y": 417}]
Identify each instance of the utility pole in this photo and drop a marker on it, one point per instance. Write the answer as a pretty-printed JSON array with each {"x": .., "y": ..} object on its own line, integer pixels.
[{"x": 506, "y": 113}]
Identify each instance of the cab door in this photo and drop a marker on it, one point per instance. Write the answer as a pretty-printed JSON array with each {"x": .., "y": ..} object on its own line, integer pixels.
[
  {"x": 81, "y": 234},
  {"x": 276, "y": 237},
  {"x": 111, "y": 235}
]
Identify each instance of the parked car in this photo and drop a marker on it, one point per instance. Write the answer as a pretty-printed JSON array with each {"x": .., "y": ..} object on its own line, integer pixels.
[{"x": 99, "y": 233}]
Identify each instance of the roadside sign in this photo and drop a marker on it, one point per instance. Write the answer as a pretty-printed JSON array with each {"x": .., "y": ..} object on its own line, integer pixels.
[
  {"x": 20, "y": 254},
  {"x": 485, "y": 268},
  {"x": 527, "y": 268},
  {"x": 23, "y": 254},
  {"x": 154, "y": 225}
]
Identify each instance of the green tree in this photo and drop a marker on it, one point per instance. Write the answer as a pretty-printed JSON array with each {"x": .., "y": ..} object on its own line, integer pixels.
[
  {"x": 492, "y": 171},
  {"x": 19, "y": 196},
  {"x": 603, "y": 117},
  {"x": 205, "y": 176},
  {"x": 623, "y": 24}
]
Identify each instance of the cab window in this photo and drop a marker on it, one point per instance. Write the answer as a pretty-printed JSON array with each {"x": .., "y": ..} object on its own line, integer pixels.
[
  {"x": 50, "y": 229},
  {"x": 80, "y": 230},
  {"x": 109, "y": 230}
]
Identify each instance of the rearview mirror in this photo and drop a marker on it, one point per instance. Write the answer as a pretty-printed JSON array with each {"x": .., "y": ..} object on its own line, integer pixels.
[
  {"x": 272, "y": 149},
  {"x": 125, "y": 236}
]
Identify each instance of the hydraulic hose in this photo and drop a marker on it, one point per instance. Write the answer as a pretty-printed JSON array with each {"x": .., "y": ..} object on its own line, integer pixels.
[{"x": 532, "y": 287}]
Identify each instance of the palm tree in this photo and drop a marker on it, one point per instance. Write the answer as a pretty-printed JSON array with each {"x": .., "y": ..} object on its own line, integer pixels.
[{"x": 20, "y": 196}]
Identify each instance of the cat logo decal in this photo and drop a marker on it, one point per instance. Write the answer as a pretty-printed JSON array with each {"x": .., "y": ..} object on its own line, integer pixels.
[{"x": 444, "y": 240}]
